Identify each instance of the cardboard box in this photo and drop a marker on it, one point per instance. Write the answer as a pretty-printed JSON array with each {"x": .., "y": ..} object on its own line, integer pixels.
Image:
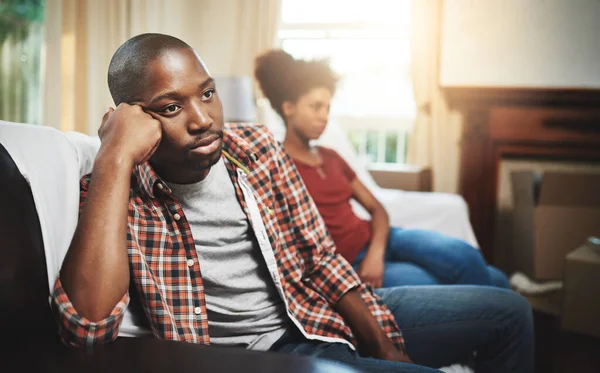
[
  {"x": 553, "y": 213},
  {"x": 404, "y": 177},
  {"x": 581, "y": 304}
]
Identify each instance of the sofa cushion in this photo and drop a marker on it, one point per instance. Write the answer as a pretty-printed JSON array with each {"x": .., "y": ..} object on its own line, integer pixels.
[{"x": 24, "y": 310}]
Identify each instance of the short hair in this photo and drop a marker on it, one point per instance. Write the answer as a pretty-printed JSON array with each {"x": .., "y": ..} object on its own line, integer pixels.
[
  {"x": 283, "y": 78},
  {"x": 126, "y": 72}
]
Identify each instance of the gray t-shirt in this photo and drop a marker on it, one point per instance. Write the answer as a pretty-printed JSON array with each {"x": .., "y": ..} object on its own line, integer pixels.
[{"x": 244, "y": 308}]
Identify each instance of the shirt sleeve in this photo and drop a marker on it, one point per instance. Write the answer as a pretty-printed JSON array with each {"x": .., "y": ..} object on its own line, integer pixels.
[
  {"x": 74, "y": 329},
  {"x": 325, "y": 272}
]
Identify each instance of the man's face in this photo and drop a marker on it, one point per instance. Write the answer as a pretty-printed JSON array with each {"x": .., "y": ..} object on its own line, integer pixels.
[{"x": 179, "y": 92}]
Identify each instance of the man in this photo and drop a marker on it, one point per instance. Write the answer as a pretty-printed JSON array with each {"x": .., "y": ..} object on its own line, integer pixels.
[{"x": 219, "y": 239}]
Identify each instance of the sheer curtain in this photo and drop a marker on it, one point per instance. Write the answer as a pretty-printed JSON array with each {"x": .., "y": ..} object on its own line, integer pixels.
[
  {"x": 257, "y": 25},
  {"x": 436, "y": 135},
  {"x": 82, "y": 35},
  {"x": 21, "y": 39}
]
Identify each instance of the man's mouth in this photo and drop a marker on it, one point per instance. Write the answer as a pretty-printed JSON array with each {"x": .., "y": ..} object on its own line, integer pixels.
[
  {"x": 206, "y": 145},
  {"x": 205, "y": 141}
]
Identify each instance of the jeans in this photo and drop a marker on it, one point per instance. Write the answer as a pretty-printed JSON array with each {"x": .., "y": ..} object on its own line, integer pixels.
[
  {"x": 443, "y": 325},
  {"x": 420, "y": 257}
]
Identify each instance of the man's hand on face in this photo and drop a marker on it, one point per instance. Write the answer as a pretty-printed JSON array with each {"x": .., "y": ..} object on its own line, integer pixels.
[{"x": 130, "y": 133}]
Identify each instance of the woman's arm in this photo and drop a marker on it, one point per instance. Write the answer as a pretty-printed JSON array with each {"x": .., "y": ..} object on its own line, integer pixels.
[{"x": 372, "y": 267}]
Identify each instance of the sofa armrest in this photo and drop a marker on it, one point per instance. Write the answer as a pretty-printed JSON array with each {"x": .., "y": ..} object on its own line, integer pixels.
[
  {"x": 442, "y": 212},
  {"x": 403, "y": 177}
]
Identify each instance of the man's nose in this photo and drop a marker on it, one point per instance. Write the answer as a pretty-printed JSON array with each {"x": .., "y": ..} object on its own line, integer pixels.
[{"x": 200, "y": 119}]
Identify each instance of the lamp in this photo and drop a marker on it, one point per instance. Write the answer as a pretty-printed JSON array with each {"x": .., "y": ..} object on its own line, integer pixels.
[{"x": 237, "y": 96}]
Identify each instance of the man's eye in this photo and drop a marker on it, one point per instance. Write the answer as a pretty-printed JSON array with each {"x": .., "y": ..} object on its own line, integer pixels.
[
  {"x": 207, "y": 95},
  {"x": 171, "y": 108}
]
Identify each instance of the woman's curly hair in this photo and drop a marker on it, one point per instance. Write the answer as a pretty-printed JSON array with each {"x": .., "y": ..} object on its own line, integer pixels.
[{"x": 283, "y": 78}]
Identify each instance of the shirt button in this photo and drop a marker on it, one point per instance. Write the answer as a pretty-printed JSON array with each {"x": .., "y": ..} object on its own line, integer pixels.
[
  {"x": 176, "y": 216},
  {"x": 160, "y": 186},
  {"x": 190, "y": 262},
  {"x": 197, "y": 310}
]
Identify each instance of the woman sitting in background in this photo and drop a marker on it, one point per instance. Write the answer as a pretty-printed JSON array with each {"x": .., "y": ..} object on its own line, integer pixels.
[{"x": 300, "y": 91}]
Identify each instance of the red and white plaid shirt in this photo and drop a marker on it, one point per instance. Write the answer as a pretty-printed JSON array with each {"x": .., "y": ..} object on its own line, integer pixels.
[{"x": 164, "y": 266}]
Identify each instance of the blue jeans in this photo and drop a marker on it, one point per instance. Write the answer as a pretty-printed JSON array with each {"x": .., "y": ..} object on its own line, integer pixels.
[
  {"x": 420, "y": 257},
  {"x": 443, "y": 325}
]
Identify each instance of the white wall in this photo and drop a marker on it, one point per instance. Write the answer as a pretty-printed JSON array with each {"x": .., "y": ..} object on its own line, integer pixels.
[{"x": 523, "y": 43}]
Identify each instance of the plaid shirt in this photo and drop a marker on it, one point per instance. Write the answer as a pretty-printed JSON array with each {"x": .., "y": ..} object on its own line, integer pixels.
[{"x": 164, "y": 265}]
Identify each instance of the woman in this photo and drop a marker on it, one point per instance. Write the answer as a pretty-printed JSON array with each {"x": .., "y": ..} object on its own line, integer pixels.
[{"x": 301, "y": 91}]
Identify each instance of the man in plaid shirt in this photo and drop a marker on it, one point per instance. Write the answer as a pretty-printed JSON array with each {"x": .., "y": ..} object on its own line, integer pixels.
[{"x": 216, "y": 237}]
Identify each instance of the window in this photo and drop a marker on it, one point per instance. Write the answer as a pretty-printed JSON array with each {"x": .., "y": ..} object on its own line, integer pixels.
[{"x": 367, "y": 43}]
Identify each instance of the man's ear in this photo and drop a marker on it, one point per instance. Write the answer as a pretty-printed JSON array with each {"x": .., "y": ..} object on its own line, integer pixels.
[{"x": 288, "y": 108}]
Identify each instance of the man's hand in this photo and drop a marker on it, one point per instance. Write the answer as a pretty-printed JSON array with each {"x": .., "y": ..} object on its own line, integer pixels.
[
  {"x": 389, "y": 352},
  {"x": 371, "y": 270},
  {"x": 372, "y": 340},
  {"x": 130, "y": 133}
]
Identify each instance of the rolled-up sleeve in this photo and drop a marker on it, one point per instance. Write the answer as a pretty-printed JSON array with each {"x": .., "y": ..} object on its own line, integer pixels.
[{"x": 76, "y": 330}]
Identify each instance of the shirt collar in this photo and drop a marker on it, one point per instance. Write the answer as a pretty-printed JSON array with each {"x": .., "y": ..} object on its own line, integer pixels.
[
  {"x": 148, "y": 178},
  {"x": 239, "y": 149}
]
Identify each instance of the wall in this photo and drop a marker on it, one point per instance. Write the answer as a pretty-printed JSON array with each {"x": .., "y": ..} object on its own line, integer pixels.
[
  {"x": 209, "y": 26},
  {"x": 523, "y": 43},
  {"x": 82, "y": 35}
]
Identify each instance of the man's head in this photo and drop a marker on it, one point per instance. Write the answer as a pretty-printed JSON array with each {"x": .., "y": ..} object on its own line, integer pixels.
[{"x": 164, "y": 76}]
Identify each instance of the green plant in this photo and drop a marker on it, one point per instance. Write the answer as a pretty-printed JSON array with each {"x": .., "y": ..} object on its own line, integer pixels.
[
  {"x": 21, "y": 40},
  {"x": 16, "y": 17}
]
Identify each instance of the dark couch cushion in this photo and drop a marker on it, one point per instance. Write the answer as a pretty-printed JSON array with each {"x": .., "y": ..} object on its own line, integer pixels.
[{"x": 24, "y": 309}]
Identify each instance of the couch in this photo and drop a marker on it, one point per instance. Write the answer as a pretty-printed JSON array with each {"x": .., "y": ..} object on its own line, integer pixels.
[
  {"x": 442, "y": 212},
  {"x": 40, "y": 168}
]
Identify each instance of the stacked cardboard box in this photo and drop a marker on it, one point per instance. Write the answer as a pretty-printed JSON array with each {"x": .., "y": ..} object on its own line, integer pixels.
[
  {"x": 581, "y": 304},
  {"x": 553, "y": 213}
]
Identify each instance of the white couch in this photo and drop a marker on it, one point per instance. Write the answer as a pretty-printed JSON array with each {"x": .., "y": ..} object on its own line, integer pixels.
[
  {"x": 46, "y": 155},
  {"x": 443, "y": 212},
  {"x": 52, "y": 162}
]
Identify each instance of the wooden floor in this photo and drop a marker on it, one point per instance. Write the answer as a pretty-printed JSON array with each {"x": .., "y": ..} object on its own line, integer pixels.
[{"x": 559, "y": 351}]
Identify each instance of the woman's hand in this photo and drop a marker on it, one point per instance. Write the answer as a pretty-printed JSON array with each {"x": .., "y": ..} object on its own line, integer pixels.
[{"x": 371, "y": 269}]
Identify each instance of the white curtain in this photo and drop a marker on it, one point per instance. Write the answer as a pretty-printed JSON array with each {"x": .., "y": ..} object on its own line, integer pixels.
[
  {"x": 436, "y": 135},
  {"x": 82, "y": 35},
  {"x": 258, "y": 22}
]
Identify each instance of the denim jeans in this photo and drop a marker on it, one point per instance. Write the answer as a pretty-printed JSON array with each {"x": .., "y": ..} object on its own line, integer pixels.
[
  {"x": 442, "y": 325},
  {"x": 420, "y": 257}
]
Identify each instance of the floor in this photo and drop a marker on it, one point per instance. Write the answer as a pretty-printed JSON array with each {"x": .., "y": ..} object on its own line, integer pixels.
[{"x": 559, "y": 351}]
